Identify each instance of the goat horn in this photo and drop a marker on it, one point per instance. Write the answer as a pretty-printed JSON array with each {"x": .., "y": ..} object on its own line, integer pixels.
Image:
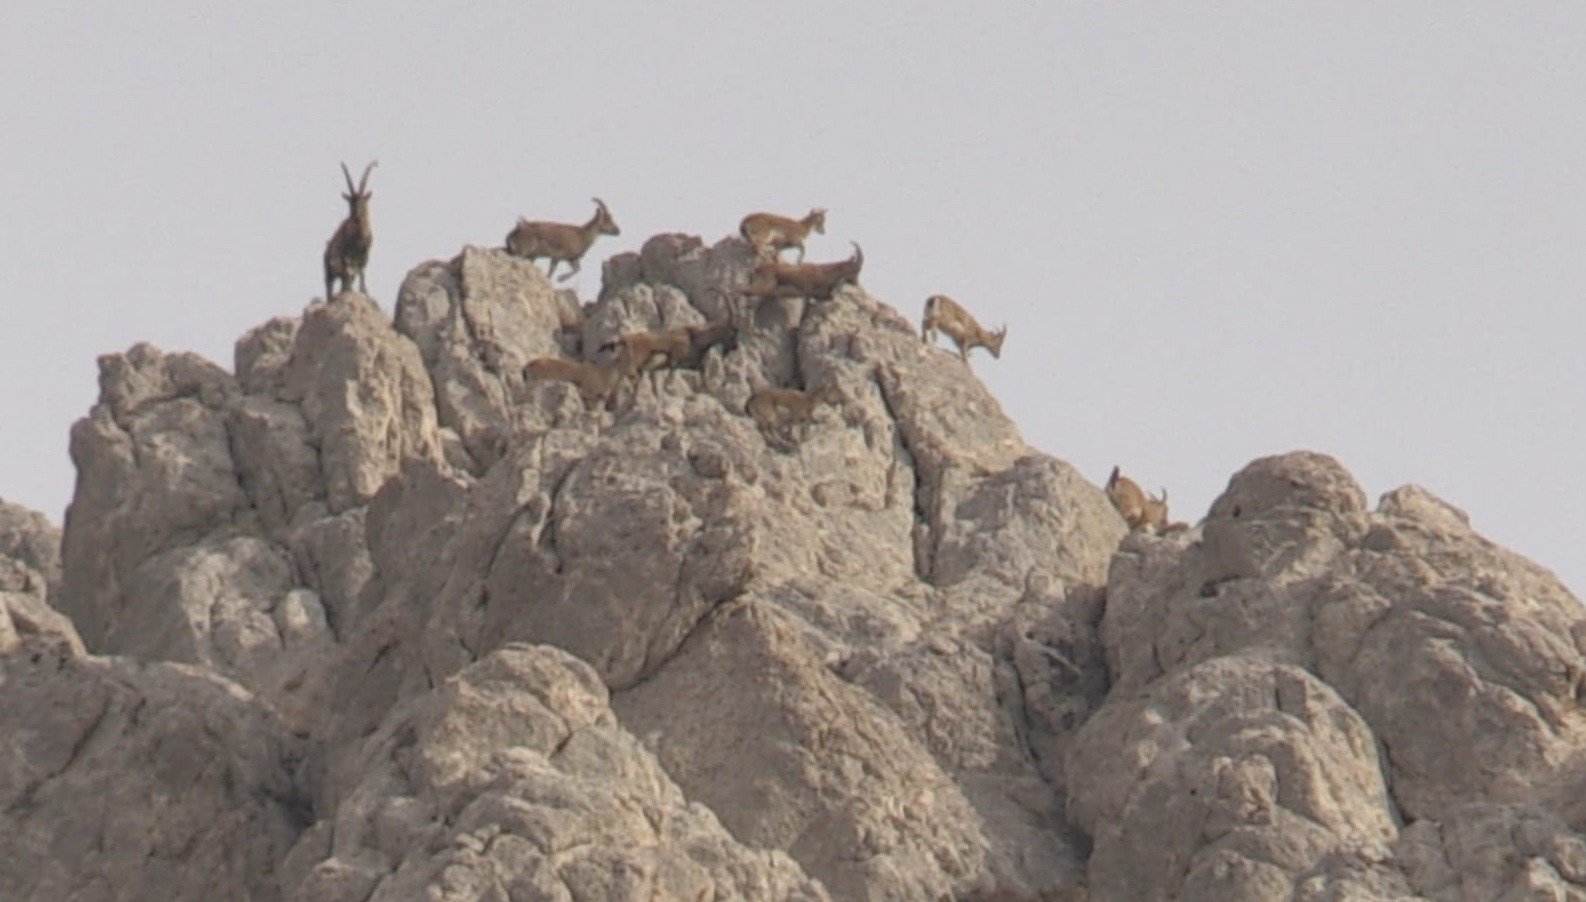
[
  {"x": 601, "y": 204},
  {"x": 348, "y": 176},
  {"x": 363, "y": 182}
]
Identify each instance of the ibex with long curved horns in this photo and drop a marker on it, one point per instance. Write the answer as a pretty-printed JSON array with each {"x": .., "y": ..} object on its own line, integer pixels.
[
  {"x": 347, "y": 252},
  {"x": 559, "y": 241}
]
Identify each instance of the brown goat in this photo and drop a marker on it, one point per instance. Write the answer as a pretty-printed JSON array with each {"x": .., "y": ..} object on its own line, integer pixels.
[
  {"x": 771, "y": 234},
  {"x": 684, "y": 346},
  {"x": 773, "y": 278},
  {"x": 778, "y": 409},
  {"x": 701, "y": 339},
  {"x": 1156, "y": 513},
  {"x": 598, "y": 383},
  {"x": 1139, "y": 510},
  {"x": 558, "y": 242},
  {"x": 347, "y": 251},
  {"x": 650, "y": 350},
  {"x": 944, "y": 314}
]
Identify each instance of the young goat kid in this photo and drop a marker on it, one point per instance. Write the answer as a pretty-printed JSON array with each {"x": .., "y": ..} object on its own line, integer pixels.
[
  {"x": 1139, "y": 510},
  {"x": 558, "y": 241},
  {"x": 347, "y": 251},
  {"x": 773, "y": 278},
  {"x": 778, "y": 410},
  {"x": 771, "y": 234},
  {"x": 944, "y": 314}
]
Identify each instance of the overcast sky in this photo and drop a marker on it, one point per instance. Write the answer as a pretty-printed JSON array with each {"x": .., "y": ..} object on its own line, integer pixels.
[{"x": 1216, "y": 231}]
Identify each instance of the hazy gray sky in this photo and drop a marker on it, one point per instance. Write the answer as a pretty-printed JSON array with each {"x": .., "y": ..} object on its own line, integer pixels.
[{"x": 1217, "y": 231}]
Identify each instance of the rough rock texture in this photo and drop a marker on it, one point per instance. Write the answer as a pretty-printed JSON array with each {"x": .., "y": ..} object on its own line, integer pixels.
[
  {"x": 512, "y": 779},
  {"x": 453, "y": 634},
  {"x": 29, "y": 577},
  {"x": 1306, "y": 684},
  {"x": 124, "y": 780}
]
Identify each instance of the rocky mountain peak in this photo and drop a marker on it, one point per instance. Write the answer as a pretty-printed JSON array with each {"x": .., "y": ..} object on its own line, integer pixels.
[{"x": 387, "y": 613}]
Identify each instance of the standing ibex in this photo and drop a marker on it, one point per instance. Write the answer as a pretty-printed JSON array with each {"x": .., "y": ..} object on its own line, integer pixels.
[
  {"x": 778, "y": 409},
  {"x": 557, "y": 241},
  {"x": 943, "y": 313},
  {"x": 1139, "y": 510},
  {"x": 771, "y": 234},
  {"x": 773, "y": 278},
  {"x": 347, "y": 252}
]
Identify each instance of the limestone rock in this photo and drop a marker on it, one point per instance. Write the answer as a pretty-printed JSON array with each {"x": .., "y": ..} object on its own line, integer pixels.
[
  {"x": 1433, "y": 659},
  {"x": 1481, "y": 851},
  {"x": 121, "y": 780},
  {"x": 365, "y": 395},
  {"x": 814, "y": 767},
  {"x": 28, "y": 537},
  {"x": 26, "y": 618},
  {"x": 477, "y": 320},
  {"x": 29, "y": 578},
  {"x": 1460, "y": 655},
  {"x": 154, "y": 473},
  {"x": 1227, "y": 780},
  {"x": 513, "y": 779},
  {"x": 893, "y": 653}
]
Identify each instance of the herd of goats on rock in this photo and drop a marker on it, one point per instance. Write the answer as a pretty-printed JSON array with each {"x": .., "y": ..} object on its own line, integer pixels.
[{"x": 777, "y": 411}]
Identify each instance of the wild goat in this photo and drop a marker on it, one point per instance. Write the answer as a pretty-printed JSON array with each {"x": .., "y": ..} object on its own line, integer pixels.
[
  {"x": 649, "y": 350},
  {"x": 557, "y": 241},
  {"x": 347, "y": 251},
  {"x": 702, "y": 338},
  {"x": 1139, "y": 510},
  {"x": 773, "y": 278},
  {"x": 771, "y": 234},
  {"x": 685, "y": 346},
  {"x": 598, "y": 383},
  {"x": 779, "y": 409},
  {"x": 944, "y": 314}
]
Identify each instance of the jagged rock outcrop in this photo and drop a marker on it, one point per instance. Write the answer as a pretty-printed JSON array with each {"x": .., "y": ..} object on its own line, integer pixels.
[
  {"x": 129, "y": 780},
  {"x": 1311, "y": 685},
  {"x": 29, "y": 577},
  {"x": 512, "y": 779},
  {"x": 461, "y": 634}
]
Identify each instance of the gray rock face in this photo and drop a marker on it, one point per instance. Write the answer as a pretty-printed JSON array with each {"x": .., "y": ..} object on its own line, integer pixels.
[
  {"x": 30, "y": 539},
  {"x": 122, "y": 780},
  {"x": 1426, "y": 670},
  {"x": 30, "y": 560},
  {"x": 512, "y": 779},
  {"x": 455, "y": 634}
]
